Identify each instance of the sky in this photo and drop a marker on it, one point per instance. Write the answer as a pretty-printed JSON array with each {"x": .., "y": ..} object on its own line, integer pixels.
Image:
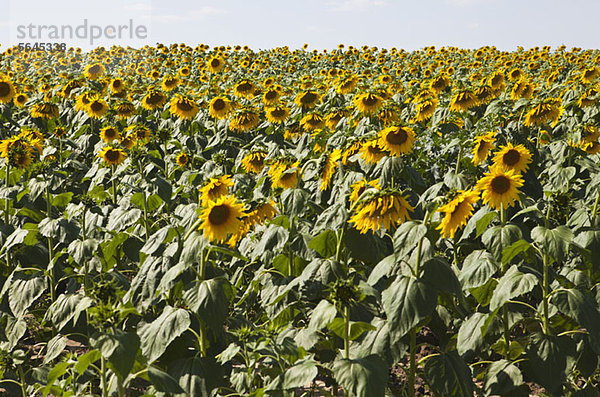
[{"x": 261, "y": 24}]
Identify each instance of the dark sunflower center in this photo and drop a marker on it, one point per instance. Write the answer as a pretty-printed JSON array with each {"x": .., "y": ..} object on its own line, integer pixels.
[
  {"x": 110, "y": 133},
  {"x": 112, "y": 155},
  {"x": 215, "y": 63},
  {"x": 219, "y": 215},
  {"x": 95, "y": 69},
  {"x": 308, "y": 98},
  {"x": 4, "y": 89},
  {"x": 370, "y": 100},
  {"x": 219, "y": 104},
  {"x": 153, "y": 99},
  {"x": 511, "y": 157},
  {"x": 397, "y": 137},
  {"x": 278, "y": 113},
  {"x": 170, "y": 82},
  {"x": 96, "y": 106},
  {"x": 244, "y": 87},
  {"x": 116, "y": 84},
  {"x": 184, "y": 106},
  {"x": 270, "y": 95},
  {"x": 20, "y": 98},
  {"x": 500, "y": 184}
]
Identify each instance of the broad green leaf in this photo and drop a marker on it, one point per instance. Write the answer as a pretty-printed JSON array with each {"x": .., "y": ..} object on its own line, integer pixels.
[
  {"x": 24, "y": 290},
  {"x": 356, "y": 328},
  {"x": 477, "y": 269},
  {"x": 547, "y": 356},
  {"x": 381, "y": 343},
  {"x": 82, "y": 250},
  {"x": 406, "y": 302},
  {"x": 119, "y": 348},
  {"x": 121, "y": 218},
  {"x": 497, "y": 238},
  {"x": 294, "y": 201},
  {"x": 157, "y": 239},
  {"x": 67, "y": 307},
  {"x": 438, "y": 273},
  {"x": 86, "y": 359},
  {"x": 210, "y": 300},
  {"x": 54, "y": 347},
  {"x": 363, "y": 377},
  {"x": 511, "y": 285},
  {"x": 56, "y": 372},
  {"x": 470, "y": 336},
  {"x": 197, "y": 376},
  {"x": 162, "y": 381},
  {"x": 193, "y": 246},
  {"x": 325, "y": 243},
  {"x": 322, "y": 314},
  {"x": 554, "y": 242},
  {"x": 407, "y": 237},
  {"x": 156, "y": 336},
  {"x": 298, "y": 376},
  {"x": 448, "y": 375},
  {"x": 513, "y": 250},
  {"x": 582, "y": 308},
  {"x": 62, "y": 199},
  {"x": 483, "y": 222},
  {"x": 501, "y": 377}
]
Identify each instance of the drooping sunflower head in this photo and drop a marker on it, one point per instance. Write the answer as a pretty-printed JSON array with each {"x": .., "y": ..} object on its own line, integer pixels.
[
  {"x": 254, "y": 161},
  {"x": 94, "y": 71},
  {"x": 44, "y": 110},
  {"x": 439, "y": 83},
  {"x": 457, "y": 211},
  {"x": 244, "y": 89},
  {"x": 215, "y": 188},
  {"x": 153, "y": 100},
  {"x": 221, "y": 218},
  {"x": 219, "y": 107},
  {"x": 333, "y": 118},
  {"x": 138, "y": 132},
  {"x": 358, "y": 188},
  {"x": 499, "y": 188},
  {"x": 244, "y": 120},
  {"x": 347, "y": 85},
  {"x": 425, "y": 109},
  {"x": 511, "y": 157},
  {"x": 463, "y": 100},
  {"x": 108, "y": 134},
  {"x": 386, "y": 209},
  {"x": 312, "y": 121},
  {"x": 124, "y": 109},
  {"x": 371, "y": 152},
  {"x": 183, "y": 107},
  {"x": 277, "y": 114},
  {"x": 397, "y": 139},
  {"x": 327, "y": 167},
  {"x": 284, "y": 174},
  {"x": 112, "y": 156},
  {"x": 271, "y": 96},
  {"x": 483, "y": 145},
  {"x": 307, "y": 99},
  {"x": 546, "y": 111},
  {"x": 368, "y": 103}
]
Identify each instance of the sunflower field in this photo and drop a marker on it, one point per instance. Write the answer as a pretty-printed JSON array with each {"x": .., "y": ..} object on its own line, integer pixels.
[{"x": 179, "y": 221}]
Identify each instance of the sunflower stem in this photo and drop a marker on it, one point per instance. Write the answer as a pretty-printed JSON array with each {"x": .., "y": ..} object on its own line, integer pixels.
[
  {"x": 594, "y": 209},
  {"x": 545, "y": 282},
  {"x": 412, "y": 369},
  {"x": 506, "y": 329},
  {"x": 458, "y": 158},
  {"x": 114, "y": 185},
  {"x": 6, "y": 200},
  {"x": 103, "y": 377},
  {"x": 502, "y": 215},
  {"x": 347, "y": 332},
  {"x": 339, "y": 244}
]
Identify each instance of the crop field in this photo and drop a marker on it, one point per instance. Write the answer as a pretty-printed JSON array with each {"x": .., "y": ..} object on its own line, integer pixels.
[{"x": 197, "y": 221}]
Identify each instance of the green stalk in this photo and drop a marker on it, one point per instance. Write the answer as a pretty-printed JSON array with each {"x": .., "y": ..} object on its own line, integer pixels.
[
  {"x": 339, "y": 244},
  {"x": 594, "y": 210},
  {"x": 50, "y": 245},
  {"x": 458, "y": 160},
  {"x": 6, "y": 200},
  {"x": 506, "y": 329},
  {"x": 103, "y": 377},
  {"x": 545, "y": 293},
  {"x": 144, "y": 201},
  {"x": 347, "y": 332},
  {"x": 114, "y": 185},
  {"x": 22, "y": 383},
  {"x": 502, "y": 214},
  {"x": 412, "y": 370}
]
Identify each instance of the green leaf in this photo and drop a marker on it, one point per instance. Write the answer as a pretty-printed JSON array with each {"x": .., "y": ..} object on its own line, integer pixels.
[
  {"x": 448, "y": 375},
  {"x": 554, "y": 242},
  {"x": 477, "y": 269},
  {"x": 322, "y": 314},
  {"x": 121, "y": 218},
  {"x": 157, "y": 239},
  {"x": 66, "y": 308},
  {"x": 438, "y": 273},
  {"x": 363, "y": 377},
  {"x": 581, "y": 307},
  {"x": 81, "y": 251},
  {"x": 497, "y": 238},
  {"x": 56, "y": 372},
  {"x": 483, "y": 223},
  {"x": 356, "y": 328},
  {"x": 512, "y": 284},
  {"x": 513, "y": 250},
  {"x": 298, "y": 376},
  {"x": 501, "y": 377},
  {"x": 163, "y": 382},
  {"x": 156, "y": 336},
  {"x": 210, "y": 300},
  {"x": 86, "y": 359},
  {"x": 61, "y": 200},
  {"x": 407, "y": 237},
  {"x": 406, "y": 302},
  {"x": 547, "y": 356},
  {"x": 198, "y": 376},
  {"x": 483, "y": 294},
  {"x": 192, "y": 247},
  {"x": 24, "y": 290},
  {"x": 54, "y": 347},
  {"x": 470, "y": 336},
  {"x": 325, "y": 243},
  {"x": 120, "y": 349},
  {"x": 381, "y": 343},
  {"x": 294, "y": 201}
]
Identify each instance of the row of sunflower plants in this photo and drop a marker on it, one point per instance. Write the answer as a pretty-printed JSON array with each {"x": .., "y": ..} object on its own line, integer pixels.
[{"x": 195, "y": 221}]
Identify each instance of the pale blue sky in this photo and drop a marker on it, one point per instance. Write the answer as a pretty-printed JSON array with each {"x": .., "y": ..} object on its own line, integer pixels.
[{"x": 323, "y": 24}]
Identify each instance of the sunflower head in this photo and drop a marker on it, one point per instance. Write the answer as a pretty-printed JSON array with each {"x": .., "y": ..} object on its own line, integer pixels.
[
  {"x": 397, "y": 140},
  {"x": 182, "y": 159},
  {"x": 215, "y": 188},
  {"x": 386, "y": 208},
  {"x": 221, "y": 218},
  {"x": 112, "y": 156},
  {"x": 511, "y": 157},
  {"x": 219, "y": 107},
  {"x": 457, "y": 211},
  {"x": 254, "y": 161},
  {"x": 183, "y": 107},
  {"x": 499, "y": 188},
  {"x": 483, "y": 145},
  {"x": 368, "y": 103}
]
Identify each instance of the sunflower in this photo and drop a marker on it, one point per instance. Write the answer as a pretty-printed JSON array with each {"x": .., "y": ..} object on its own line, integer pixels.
[
  {"x": 371, "y": 152},
  {"x": 384, "y": 208},
  {"x": 182, "y": 159},
  {"x": 20, "y": 99},
  {"x": 499, "y": 188},
  {"x": 307, "y": 99},
  {"x": 439, "y": 83},
  {"x": 587, "y": 75},
  {"x": 117, "y": 85},
  {"x": 44, "y": 110},
  {"x": 169, "y": 83},
  {"x": 254, "y": 161},
  {"x": 358, "y": 188},
  {"x": 112, "y": 156},
  {"x": 312, "y": 121},
  {"x": 215, "y": 64},
  {"x": 18, "y": 150},
  {"x": 511, "y": 157},
  {"x": 328, "y": 166},
  {"x": 425, "y": 109},
  {"x": 463, "y": 100},
  {"x": 457, "y": 211},
  {"x": 333, "y": 118},
  {"x": 183, "y": 107},
  {"x": 483, "y": 145},
  {"x": 397, "y": 140},
  {"x": 219, "y": 107},
  {"x": 138, "y": 132},
  {"x": 124, "y": 109},
  {"x": 271, "y": 97},
  {"x": 522, "y": 89},
  {"x": 549, "y": 110},
  {"x": 244, "y": 120},
  {"x": 346, "y": 85},
  {"x": 7, "y": 90},
  {"x": 153, "y": 100},
  {"x": 368, "y": 103},
  {"x": 94, "y": 71},
  {"x": 96, "y": 108},
  {"x": 220, "y": 218},
  {"x": 244, "y": 89},
  {"x": 59, "y": 132},
  {"x": 215, "y": 188},
  {"x": 284, "y": 174},
  {"x": 277, "y": 114},
  {"x": 109, "y": 134}
]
